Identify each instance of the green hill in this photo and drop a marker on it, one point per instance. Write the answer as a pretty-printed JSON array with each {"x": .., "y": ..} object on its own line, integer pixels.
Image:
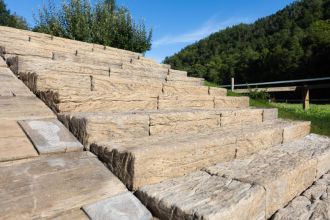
[{"x": 293, "y": 43}]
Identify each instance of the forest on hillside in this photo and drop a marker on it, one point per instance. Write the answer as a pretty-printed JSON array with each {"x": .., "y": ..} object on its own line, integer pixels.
[{"x": 294, "y": 43}]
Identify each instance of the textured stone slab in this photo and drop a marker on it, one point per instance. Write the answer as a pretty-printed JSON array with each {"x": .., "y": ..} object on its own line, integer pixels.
[
  {"x": 284, "y": 171},
  {"x": 177, "y": 80},
  {"x": 242, "y": 116},
  {"x": 123, "y": 206},
  {"x": 108, "y": 85},
  {"x": 184, "y": 90},
  {"x": 50, "y": 136},
  {"x": 202, "y": 196},
  {"x": 47, "y": 186},
  {"x": 217, "y": 91},
  {"x": 296, "y": 132},
  {"x": 92, "y": 127},
  {"x": 314, "y": 203},
  {"x": 70, "y": 101},
  {"x": 14, "y": 144},
  {"x": 21, "y": 108},
  {"x": 270, "y": 114},
  {"x": 143, "y": 161},
  {"x": 231, "y": 102},
  {"x": 176, "y": 122},
  {"x": 177, "y": 73},
  {"x": 184, "y": 102},
  {"x": 11, "y": 86}
]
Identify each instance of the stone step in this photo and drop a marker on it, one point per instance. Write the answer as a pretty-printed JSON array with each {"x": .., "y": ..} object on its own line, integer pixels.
[
  {"x": 21, "y": 108},
  {"x": 11, "y": 86},
  {"x": 57, "y": 42},
  {"x": 2, "y": 63},
  {"x": 57, "y": 81},
  {"x": 93, "y": 101},
  {"x": 201, "y": 102},
  {"x": 45, "y": 187},
  {"x": 139, "y": 162},
  {"x": 178, "y": 80},
  {"x": 14, "y": 144},
  {"x": 23, "y": 65},
  {"x": 249, "y": 188},
  {"x": 96, "y": 127}
]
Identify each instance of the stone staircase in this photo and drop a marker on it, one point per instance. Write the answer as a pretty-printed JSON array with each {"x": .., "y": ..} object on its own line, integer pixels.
[{"x": 170, "y": 147}]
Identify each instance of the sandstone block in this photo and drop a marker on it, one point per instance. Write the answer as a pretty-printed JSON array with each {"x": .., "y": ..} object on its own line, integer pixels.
[
  {"x": 175, "y": 122},
  {"x": 270, "y": 114},
  {"x": 46, "y": 186},
  {"x": 217, "y": 91},
  {"x": 296, "y": 131},
  {"x": 202, "y": 196},
  {"x": 184, "y": 102},
  {"x": 241, "y": 116},
  {"x": 184, "y": 90},
  {"x": 282, "y": 175},
  {"x": 231, "y": 102}
]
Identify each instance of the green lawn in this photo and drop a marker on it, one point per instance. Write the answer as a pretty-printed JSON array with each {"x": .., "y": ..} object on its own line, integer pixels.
[{"x": 319, "y": 115}]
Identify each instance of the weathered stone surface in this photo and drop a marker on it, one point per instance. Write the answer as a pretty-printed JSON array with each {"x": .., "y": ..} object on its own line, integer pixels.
[
  {"x": 270, "y": 114},
  {"x": 178, "y": 80},
  {"x": 21, "y": 108},
  {"x": 11, "y": 86},
  {"x": 46, "y": 186},
  {"x": 314, "y": 203},
  {"x": 282, "y": 175},
  {"x": 231, "y": 102},
  {"x": 92, "y": 127},
  {"x": 175, "y": 122},
  {"x": 124, "y": 206},
  {"x": 138, "y": 162},
  {"x": 184, "y": 90},
  {"x": 242, "y": 116},
  {"x": 217, "y": 91},
  {"x": 312, "y": 146},
  {"x": 296, "y": 132},
  {"x": 182, "y": 102},
  {"x": 69, "y": 101},
  {"x": 14, "y": 144},
  {"x": 126, "y": 87},
  {"x": 50, "y": 136},
  {"x": 202, "y": 196},
  {"x": 177, "y": 73},
  {"x": 284, "y": 171}
]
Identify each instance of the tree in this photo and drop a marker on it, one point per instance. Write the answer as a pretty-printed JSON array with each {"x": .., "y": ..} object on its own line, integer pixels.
[
  {"x": 290, "y": 44},
  {"x": 105, "y": 24},
  {"x": 11, "y": 20}
]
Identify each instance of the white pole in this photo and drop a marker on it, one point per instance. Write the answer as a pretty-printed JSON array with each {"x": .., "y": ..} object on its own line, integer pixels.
[{"x": 232, "y": 84}]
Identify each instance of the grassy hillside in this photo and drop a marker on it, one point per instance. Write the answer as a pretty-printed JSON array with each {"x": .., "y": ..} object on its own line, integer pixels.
[{"x": 293, "y": 43}]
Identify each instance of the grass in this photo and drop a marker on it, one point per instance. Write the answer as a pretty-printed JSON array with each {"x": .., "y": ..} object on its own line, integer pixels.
[{"x": 319, "y": 115}]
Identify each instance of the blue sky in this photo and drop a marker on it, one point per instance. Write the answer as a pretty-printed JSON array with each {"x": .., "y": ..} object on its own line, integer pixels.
[{"x": 178, "y": 23}]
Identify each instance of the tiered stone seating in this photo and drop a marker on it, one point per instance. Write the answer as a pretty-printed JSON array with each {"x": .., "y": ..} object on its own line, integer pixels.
[{"x": 187, "y": 151}]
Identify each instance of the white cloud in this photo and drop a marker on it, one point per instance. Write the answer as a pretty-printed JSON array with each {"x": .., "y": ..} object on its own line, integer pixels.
[{"x": 206, "y": 29}]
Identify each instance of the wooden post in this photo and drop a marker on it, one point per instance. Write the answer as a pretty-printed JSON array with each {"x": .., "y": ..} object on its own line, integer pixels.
[
  {"x": 305, "y": 97},
  {"x": 232, "y": 84}
]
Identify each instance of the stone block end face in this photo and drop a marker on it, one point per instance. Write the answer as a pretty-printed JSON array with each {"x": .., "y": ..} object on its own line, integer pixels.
[
  {"x": 296, "y": 131},
  {"x": 270, "y": 114},
  {"x": 121, "y": 163}
]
